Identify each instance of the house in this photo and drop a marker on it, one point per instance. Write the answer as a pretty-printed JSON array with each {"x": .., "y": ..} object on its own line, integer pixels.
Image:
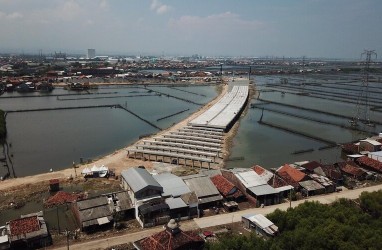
[
  {"x": 192, "y": 202},
  {"x": 146, "y": 196},
  {"x": 253, "y": 185},
  {"x": 205, "y": 190},
  {"x": 30, "y": 231},
  {"x": 93, "y": 213},
  {"x": 4, "y": 239},
  {"x": 333, "y": 174},
  {"x": 260, "y": 224},
  {"x": 370, "y": 164},
  {"x": 140, "y": 184},
  {"x": 311, "y": 166},
  {"x": 172, "y": 238},
  {"x": 173, "y": 188},
  {"x": 311, "y": 187},
  {"x": 291, "y": 175},
  {"x": 369, "y": 145},
  {"x": 351, "y": 169},
  {"x": 226, "y": 188},
  {"x": 329, "y": 185}
]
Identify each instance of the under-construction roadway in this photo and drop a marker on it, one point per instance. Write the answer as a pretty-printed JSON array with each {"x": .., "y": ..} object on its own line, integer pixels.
[{"x": 199, "y": 144}]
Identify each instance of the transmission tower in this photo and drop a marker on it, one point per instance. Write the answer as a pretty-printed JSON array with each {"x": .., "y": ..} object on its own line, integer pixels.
[{"x": 362, "y": 112}]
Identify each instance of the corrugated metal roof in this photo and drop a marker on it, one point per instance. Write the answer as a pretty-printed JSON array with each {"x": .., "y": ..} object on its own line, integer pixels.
[
  {"x": 139, "y": 178},
  {"x": 263, "y": 190},
  {"x": 93, "y": 202},
  {"x": 210, "y": 199},
  {"x": 175, "y": 203},
  {"x": 172, "y": 185},
  {"x": 250, "y": 178},
  {"x": 311, "y": 185},
  {"x": 202, "y": 186},
  {"x": 259, "y": 219},
  {"x": 284, "y": 188},
  {"x": 95, "y": 213}
]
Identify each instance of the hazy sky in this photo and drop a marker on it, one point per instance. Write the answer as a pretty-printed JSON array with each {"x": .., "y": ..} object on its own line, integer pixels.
[{"x": 313, "y": 28}]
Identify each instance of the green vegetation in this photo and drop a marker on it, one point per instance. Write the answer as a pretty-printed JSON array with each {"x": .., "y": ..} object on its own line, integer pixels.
[
  {"x": 345, "y": 224},
  {"x": 3, "y": 128}
]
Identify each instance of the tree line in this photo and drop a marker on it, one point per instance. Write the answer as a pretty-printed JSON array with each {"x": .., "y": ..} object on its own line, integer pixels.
[{"x": 344, "y": 224}]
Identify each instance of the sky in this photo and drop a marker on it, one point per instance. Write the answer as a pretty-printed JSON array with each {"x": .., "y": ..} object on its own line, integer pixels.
[{"x": 290, "y": 28}]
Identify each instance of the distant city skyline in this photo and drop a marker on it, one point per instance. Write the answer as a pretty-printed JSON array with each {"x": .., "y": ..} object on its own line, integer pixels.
[{"x": 294, "y": 28}]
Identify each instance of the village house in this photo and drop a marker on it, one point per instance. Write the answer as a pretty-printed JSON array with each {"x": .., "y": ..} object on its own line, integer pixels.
[
  {"x": 334, "y": 174},
  {"x": 291, "y": 175},
  {"x": 171, "y": 238},
  {"x": 352, "y": 170},
  {"x": 311, "y": 187},
  {"x": 173, "y": 188},
  {"x": 369, "y": 145},
  {"x": 208, "y": 195},
  {"x": 226, "y": 188},
  {"x": 92, "y": 213},
  {"x": 253, "y": 185},
  {"x": 98, "y": 212},
  {"x": 146, "y": 196},
  {"x": 370, "y": 164},
  {"x": 30, "y": 231},
  {"x": 260, "y": 224},
  {"x": 329, "y": 185}
]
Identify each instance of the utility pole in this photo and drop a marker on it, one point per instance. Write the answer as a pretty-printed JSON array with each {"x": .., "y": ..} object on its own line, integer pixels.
[
  {"x": 362, "y": 112},
  {"x": 67, "y": 238}
]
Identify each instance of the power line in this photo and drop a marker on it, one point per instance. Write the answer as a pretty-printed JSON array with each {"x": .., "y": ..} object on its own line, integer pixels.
[{"x": 362, "y": 111}]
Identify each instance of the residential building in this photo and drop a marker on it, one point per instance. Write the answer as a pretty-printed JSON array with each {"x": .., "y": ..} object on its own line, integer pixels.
[
  {"x": 172, "y": 238},
  {"x": 146, "y": 196},
  {"x": 205, "y": 190},
  {"x": 291, "y": 175},
  {"x": 311, "y": 187},
  {"x": 351, "y": 169},
  {"x": 260, "y": 224},
  {"x": 227, "y": 188},
  {"x": 30, "y": 231},
  {"x": 253, "y": 185}
]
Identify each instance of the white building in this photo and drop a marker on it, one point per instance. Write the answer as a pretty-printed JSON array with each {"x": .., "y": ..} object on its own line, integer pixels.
[{"x": 91, "y": 53}]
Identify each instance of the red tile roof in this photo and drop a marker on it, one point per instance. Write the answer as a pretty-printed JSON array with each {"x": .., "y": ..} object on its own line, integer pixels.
[
  {"x": 350, "y": 148},
  {"x": 370, "y": 163},
  {"x": 165, "y": 240},
  {"x": 258, "y": 169},
  {"x": 61, "y": 197},
  {"x": 24, "y": 225},
  {"x": 332, "y": 173},
  {"x": 54, "y": 181},
  {"x": 222, "y": 184},
  {"x": 293, "y": 173},
  {"x": 312, "y": 165},
  {"x": 351, "y": 168},
  {"x": 225, "y": 187}
]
